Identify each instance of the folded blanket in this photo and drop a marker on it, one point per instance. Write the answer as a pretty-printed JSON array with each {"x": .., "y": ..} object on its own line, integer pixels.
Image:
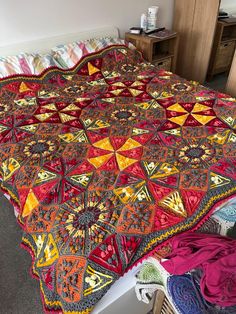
[
  {"x": 151, "y": 277},
  {"x": 185, "y": 295},
  {"x": 215, "y": 256}
]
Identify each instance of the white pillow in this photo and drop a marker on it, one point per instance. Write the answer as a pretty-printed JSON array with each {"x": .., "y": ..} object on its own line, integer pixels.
[
  {"x": 25, "y": 63},
  {"x": 66, "y": 56}
]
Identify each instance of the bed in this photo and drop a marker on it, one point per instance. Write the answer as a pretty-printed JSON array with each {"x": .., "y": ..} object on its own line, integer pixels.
[{"x": 105, "y": 162}]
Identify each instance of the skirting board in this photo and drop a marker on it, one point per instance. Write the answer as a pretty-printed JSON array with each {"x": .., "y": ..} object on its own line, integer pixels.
[{"x": 45, "y": 44}]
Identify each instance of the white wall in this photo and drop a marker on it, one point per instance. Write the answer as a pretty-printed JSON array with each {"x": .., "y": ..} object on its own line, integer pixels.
[
  {"x": 22, "y": 20},
  {"x": 228, "y": 5}
]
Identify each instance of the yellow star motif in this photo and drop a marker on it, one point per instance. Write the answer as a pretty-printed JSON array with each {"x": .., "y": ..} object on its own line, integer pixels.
[
  {"x": 122, "y": 161},
  {"x": 180, "y": 120},
  {"x": 132, "y": 88},
  {"x": 64, "y": 113}
]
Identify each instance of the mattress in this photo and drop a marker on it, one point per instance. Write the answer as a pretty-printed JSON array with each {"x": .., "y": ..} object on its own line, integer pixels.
[{"x": 105, "y": 163}]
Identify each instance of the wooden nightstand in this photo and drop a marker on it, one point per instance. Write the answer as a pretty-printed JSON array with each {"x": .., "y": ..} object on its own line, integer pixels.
[
  {"x": 161, "y": 52},
  {"x": 223, "y": 48}
]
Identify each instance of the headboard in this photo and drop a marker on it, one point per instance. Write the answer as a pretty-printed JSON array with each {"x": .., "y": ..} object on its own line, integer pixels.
[{"x": 45, "y": 44}]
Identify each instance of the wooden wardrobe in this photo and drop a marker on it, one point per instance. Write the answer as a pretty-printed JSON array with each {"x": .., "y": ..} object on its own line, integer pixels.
[{"x": 195, "y": 22}]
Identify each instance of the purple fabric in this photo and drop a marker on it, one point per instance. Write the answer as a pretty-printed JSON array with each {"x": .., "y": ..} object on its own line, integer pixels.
[{"x": 215, "y": 255}]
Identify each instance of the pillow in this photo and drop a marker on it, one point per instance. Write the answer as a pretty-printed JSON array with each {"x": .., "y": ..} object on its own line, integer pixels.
[
  {"x": 66, "y": 56},
  {"x": 63, "y": 56},
  {"x": 25, "y": 63}
]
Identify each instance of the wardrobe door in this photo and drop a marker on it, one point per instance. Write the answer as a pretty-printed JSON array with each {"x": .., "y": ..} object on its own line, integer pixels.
[
  {"x": 183, "y": 22},
  {"x": 231, "y": 83},
  {"x": 195, "y": 21}
]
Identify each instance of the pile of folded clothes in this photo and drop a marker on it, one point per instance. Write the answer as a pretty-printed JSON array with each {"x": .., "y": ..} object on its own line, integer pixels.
[{"x": 199, "y": 276}]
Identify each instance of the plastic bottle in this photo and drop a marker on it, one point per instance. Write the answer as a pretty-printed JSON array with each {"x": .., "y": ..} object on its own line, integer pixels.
[{"x": 143, "y": 24}]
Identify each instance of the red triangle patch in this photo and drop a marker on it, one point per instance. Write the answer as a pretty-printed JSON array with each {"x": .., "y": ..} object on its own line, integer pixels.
[
  {"x": 56, "y": 166},
  {"x": 191, "y": 200},
  {"x": 169, "y": 139},
  {"x": 75, "y": 123},
  {"x": 208, "y": 103},
  {"x": 127, "y": 179},
  {"x": 190, "y": 121},
  {"x": 143, "y": 97},
  {"x": 158, "y": 191},
  {"x": 156, "y": 140},
  {"x": 6, "y": 136},
  {"x": 168, "y": 125},
  {"x": 209, "y": 112},
  {"x": 29, "y": 121},
  {"x": 83, "y": 103},
  {"x": 118, "y": 141},
  {"x": 97, "y": 62},
  {"x": 170, "y": 181},
  {"x": 172, "y": 114},
  {"x": 68, "y": 191},
  {"x": 110, "y": 165},
  {"x": 164, "y": 220},
  {"x": 125, "y": 93},
  {"x": 47, "y": 274},
  {"x": 134, "y": 153},
  {"x": 83, "y": 167},
  {"x": 187, "y": 106},
  {"x": 23, "y": 193},
  {"x": 96, "y": 152},
  {"x": 46, "y": 191},
  {"x": 143, "y": 138},
  {"x": 95, "y": 137},
  {"x": 20, "y": 134},
  {"x": 225, "y": 168},
  {"x": 167, "y": 102},
  {"x": 136, "y": 170},
  {"x": 217, "y": 123},
  {"x": 107, "y": 255},
  {"x": 95, "y": 76},
  {"x": 83, "y": 70},
  {"x": 8, "y": 121},
  {"x": 129, "y": 247}
]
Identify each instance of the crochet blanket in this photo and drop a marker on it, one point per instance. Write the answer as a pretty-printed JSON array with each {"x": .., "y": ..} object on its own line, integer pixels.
[{"x": 107, "y": 161}]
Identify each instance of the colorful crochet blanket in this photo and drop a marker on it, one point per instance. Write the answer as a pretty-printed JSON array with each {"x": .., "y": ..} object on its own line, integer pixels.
[{"x": 107, "y": 161}]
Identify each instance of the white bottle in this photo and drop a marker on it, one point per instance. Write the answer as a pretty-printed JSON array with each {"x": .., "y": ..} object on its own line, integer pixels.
[{"x": 143, "y": 24}]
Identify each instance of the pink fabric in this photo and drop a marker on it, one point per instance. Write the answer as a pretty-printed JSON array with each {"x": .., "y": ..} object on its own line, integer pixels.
[
  {"x": 215, "y": 255},
  {"x": 24, "y": 66}
]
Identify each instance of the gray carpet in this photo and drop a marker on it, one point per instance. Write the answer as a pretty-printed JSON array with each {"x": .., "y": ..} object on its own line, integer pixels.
[
  {"x": 218, "y": 82},
  {"x": 19, "y": 292}
]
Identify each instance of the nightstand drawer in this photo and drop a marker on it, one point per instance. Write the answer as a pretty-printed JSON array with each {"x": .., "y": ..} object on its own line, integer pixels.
[
  {"x": 163, "y": 64},
  {"x": 224, "y": 55}
]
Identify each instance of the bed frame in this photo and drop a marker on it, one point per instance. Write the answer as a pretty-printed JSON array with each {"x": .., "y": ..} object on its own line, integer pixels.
[{"x": 44, "y": 45}]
